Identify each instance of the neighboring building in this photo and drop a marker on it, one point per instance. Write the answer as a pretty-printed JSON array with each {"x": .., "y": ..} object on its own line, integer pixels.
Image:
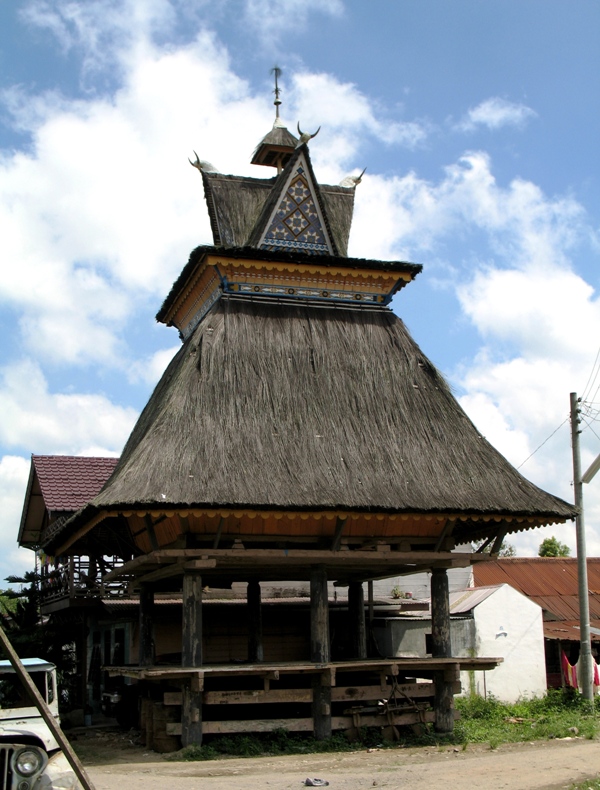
[
  {"x": 485, "y": 621},
  {"x": 551, "y": 583}
]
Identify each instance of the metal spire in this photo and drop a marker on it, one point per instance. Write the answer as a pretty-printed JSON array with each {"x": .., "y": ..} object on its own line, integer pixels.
[{"x": 277, "y": 72}]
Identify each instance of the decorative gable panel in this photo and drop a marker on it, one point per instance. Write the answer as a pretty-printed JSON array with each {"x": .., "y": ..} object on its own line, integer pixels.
[{"x": 297, "y": 223}]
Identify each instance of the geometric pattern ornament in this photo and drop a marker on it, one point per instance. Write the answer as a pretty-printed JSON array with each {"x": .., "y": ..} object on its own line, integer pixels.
[{"x": 296, "y": 223}]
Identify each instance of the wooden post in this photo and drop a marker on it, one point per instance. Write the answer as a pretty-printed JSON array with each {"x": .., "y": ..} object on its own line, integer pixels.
[
  {"x": 191, "y": 631},
  {"x": 320, "y": 652},
  {"x": 255, "y": 636},
  {"x": 191, "y": 656},
  {"x": 441, "y": 648},
  {"x": 357, "y": 622},
  {"x": 191, "y": 711},
  {"x": 146, "y": 641}
]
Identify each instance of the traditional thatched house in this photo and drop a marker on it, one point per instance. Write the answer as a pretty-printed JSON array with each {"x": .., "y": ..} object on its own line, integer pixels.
[{"x": 298, "y": 434}]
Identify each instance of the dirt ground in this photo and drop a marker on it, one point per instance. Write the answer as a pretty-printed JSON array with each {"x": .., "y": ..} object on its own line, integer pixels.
[{"x": 114, "y": 761}]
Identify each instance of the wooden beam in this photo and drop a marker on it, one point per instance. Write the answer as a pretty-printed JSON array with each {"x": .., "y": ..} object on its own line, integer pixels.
[
  {"x": 320, "y": 652},
  {"x": 337, "y": 538},
  {"x": 499, "y": 539},
  {"x": 304, "y": 695},
  {"x": 440, "y": 637},
  {"x": 306, "y": 724},
  {"x": 255, "y": 632},
  {"x": 45, "y": 712},
  {"x": 151, "y": 533},
  {"x": 446, "y": 532},
  {"x": 191, "y": 636},
  {"x": 146, "y": 640},
  {"x": 391, "y": 560},
  {"x": 357, "y": 622},
  {"x": 217, "y": 539}
]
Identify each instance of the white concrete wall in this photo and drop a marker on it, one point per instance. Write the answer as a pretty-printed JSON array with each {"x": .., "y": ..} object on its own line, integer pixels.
[{"x": 509, "y": 625}]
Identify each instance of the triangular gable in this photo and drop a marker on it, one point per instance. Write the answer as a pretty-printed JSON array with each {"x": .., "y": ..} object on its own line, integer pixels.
[{"x": 294, "y": 218}]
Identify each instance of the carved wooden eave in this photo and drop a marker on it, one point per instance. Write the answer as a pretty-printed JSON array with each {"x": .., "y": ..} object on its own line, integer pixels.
[{"x": 344, "y": 281}]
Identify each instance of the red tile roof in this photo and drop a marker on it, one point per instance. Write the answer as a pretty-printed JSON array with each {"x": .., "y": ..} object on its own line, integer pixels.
[
  {"x": 549, "y": 581},
  {"x": 70, "y": 482}
]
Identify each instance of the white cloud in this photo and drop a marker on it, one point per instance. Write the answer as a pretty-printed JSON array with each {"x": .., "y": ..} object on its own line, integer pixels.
[
  {"x": 268, "y": 18},
  {"x": 537, "y": 320},
  {"x": 107, "y": 187},
  {"x": 45, "y": 422},
  {"x": 14, "y": 561},
  {"x": 345, "y": 115},
  {"x": 496, "y": 113},
  {"x": 150, "y": 369}
]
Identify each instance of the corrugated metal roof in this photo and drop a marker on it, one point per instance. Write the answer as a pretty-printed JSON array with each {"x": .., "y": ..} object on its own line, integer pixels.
[
  {"x": 70, "y": 482},
  {"x": 567, "y": 630},
  {"x": 549, "y": 581},
  {"x": 462, "y": 601}
]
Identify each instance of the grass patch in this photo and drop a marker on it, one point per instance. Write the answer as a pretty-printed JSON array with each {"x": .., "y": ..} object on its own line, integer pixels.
[
  {"x": 556, "y": 715},
  {"x": 591, "y": 784}
]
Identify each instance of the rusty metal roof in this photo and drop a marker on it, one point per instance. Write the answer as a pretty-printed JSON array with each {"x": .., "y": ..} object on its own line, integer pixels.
[
  {"x": 463, "y": 601},
  {"x": 552, "y": 583}
]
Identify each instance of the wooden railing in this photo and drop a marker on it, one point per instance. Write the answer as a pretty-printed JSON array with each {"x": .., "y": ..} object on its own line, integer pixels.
[{"x": 81, "y": 577}]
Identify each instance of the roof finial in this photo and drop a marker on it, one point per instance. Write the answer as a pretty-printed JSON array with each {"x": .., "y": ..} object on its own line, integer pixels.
[{"x": 277, "y": 72}]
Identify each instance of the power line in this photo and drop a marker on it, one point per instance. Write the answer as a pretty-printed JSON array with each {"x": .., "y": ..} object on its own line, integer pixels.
[
  {"x": 592, "y": 377},
  {"x": 543, "y": 443}
]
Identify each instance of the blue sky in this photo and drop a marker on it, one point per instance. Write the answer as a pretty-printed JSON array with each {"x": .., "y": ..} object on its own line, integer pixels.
[{"x": 478, "y": 124}]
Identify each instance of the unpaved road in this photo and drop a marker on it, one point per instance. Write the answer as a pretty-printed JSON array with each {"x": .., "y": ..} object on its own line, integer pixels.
[{"x": 548, "y": 765}]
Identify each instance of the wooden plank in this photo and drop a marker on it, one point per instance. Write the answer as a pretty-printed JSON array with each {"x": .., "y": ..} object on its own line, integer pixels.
[
  {"x": 289, "y": 557},
  {"x": 338, "y": 694},
  {"x": 395, "y": 666},
  {"x": 257, "y": 696},
  {"x": 306, "y": 725},
  {"x": 45, "y": 712},
  {"x": 257, "y": 725},
  {"x": 397, "y": 719}
]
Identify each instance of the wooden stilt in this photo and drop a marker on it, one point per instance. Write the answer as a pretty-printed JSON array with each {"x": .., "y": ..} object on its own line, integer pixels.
[
  {"x": 191, "y": 712},
  {"x": 441, "y": 648},
  {"x": 255, "y": 637},
  {"x": 320, "y": 652},
  {"x": 146, "y": 640},
  {"x": 191, "y": 656},
  {"x": 357, "y": 621}
]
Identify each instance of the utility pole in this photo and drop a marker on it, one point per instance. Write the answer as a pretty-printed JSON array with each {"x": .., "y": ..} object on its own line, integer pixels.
[{"x": 585, "y": 654}]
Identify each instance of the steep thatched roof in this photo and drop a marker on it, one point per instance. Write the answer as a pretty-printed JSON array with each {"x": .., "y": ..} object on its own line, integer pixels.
[{"x": 294, "y": 407}]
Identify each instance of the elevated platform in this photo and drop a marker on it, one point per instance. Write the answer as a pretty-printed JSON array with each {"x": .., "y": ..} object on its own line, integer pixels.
[{"x": 387, "y": 693}]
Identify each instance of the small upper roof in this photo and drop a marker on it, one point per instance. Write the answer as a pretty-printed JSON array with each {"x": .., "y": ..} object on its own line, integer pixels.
[
  {"x": 60, "y": 484},
  {"x": 239, "y": 206},
  {"x": 276, "y": 147}
]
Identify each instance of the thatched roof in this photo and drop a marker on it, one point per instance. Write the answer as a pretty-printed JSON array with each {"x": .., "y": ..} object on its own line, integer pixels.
[
  {"x": 292, "y": 407},
  {"x": 236, "y": 205}
]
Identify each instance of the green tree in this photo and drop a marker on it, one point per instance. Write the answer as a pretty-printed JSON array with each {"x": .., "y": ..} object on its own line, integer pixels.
[{"x": 551, "y": 547}]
